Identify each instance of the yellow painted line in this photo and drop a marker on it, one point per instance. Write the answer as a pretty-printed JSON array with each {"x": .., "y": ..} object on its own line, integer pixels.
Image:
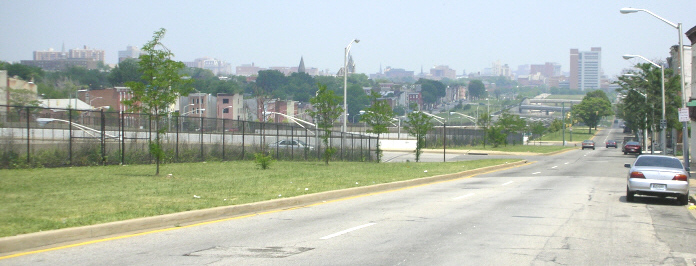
[{"x": 248, "y": 215}]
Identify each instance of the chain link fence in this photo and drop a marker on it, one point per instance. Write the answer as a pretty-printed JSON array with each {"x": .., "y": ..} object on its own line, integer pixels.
[{"x": 55, "y": 137}]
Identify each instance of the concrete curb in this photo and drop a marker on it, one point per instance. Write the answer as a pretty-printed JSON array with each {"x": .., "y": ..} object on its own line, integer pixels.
[{"x": 38, "y": 240}]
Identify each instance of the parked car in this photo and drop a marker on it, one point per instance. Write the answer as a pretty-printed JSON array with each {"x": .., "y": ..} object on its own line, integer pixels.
[
  {"x": 290, "y": 144},
  {"x": 632, "y": 147},
  {"x": 658, "y": 175},
  {"x": 589, "y": 144},
  {"x": 611, "y": 143}
]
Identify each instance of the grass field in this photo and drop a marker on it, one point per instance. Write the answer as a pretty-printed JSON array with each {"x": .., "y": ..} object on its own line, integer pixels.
[
  {"x": 578, "y": 135},
  {"x": 33, "y": 200},
  {"x": 516, "y": 148}
]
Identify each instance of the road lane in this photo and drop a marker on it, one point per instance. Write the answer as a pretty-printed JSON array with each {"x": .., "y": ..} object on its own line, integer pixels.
[{"x": 563, "y": 209}]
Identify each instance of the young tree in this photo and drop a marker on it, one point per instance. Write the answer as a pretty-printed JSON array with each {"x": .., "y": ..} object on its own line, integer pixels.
[
  {"x": 418, "y": 125},
  {"x": 327, "y": 108},
  {"x": 158, "y": 88},
  {"x": 510, "y": 123},
  {"x": 378, "y": 116},
  {"x": 537, "y": 128}
]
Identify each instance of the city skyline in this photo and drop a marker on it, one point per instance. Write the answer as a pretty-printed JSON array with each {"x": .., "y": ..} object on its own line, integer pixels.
[{"x": 409, "y": 35}]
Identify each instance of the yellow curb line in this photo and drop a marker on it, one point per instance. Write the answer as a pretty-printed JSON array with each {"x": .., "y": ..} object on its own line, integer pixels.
[{"x": 513, "y": 165}]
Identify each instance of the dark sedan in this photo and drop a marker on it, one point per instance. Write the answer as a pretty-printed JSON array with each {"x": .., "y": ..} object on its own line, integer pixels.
[
  {"x": 632, "y": 147},
  {"x": 611, "y": 143}
]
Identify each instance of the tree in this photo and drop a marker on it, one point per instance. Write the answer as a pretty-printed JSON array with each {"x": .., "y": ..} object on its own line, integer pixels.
[
  {"x": 477, "y": 90},
  {"x": 378, "y": 116},
  {"x": 496, "y": 135},
  {"x": 357, "y": 100},
  {"x": 272, "y": 82},
  {"x": 125, "y": 71},
  {"x": 418, "y": 125},
  {"x": 537, "y": 128},
  {"x": 432, "y": 90},
  {"x": 158, "y": 88},
  {"x": 591, "y": 110},
  {"x": 509, "y": 123},
  {"x": 327, "y": 108},
  {"x": 647, "y": 81}
]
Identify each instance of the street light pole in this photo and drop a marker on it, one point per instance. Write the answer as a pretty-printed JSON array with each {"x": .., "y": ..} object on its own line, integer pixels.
[
  {"x": 345, "y": 84},
  {"x": 678, "y": 26},
  {"x": 663, "y": 122}
]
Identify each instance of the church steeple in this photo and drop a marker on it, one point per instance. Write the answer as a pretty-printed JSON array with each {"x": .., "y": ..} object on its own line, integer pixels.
[{"x": 301, "y": 68}]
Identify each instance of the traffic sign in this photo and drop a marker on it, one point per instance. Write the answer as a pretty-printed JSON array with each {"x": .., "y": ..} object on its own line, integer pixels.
[{"x": 684, "y": 115}]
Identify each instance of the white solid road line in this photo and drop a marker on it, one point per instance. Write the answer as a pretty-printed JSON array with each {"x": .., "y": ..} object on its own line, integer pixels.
[
  {"x": 347, "y": 231},
  {"x": 465, "y": 196},
  {"x": 536, "y": 173},
  {"x": 508, "y": 183}
]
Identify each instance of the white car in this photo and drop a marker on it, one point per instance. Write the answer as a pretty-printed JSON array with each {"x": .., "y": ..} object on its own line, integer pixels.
[
  {"x": 658, "y": 175},
  {"x": 290, "y": 144}
]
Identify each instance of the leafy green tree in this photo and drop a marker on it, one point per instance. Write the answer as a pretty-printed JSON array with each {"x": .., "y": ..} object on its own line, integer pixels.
[
  {"x": 327, "y": 108},
  {"x": 357, "y": 100},
  {"x": 159, "y": 87},
  {"x": 432, "y": 90},
  {"x": 477, "y": 90},
  {"x": 418, "y": 125},
  {"x": 647, "y": 80},
  {"x": 272, "y": 82},
  {"x": 27, "y": 73},
  {"x": 510, "y": 123},
  {"x": 124, "y": 72},
  {"x": 591, "y": 110},
  {"x": 378, "y": 116}
]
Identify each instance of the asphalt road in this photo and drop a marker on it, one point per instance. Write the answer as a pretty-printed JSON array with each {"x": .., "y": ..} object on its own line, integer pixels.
[{"x": 567, "y": 209}]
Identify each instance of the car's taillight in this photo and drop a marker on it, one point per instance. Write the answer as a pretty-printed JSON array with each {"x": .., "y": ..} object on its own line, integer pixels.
[
  {"x": 679, "y": 177},
  {"x": 637, "y": 175}
]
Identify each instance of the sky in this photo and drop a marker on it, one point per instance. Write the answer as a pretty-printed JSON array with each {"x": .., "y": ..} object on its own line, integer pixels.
[{"x": 465, "y": 35}]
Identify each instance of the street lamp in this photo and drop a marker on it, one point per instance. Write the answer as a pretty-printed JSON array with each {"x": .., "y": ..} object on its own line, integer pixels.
[
  {"x": 90, "y": 101},
  {"x": 677, "y": 26},
  {"x": 223, "y": 116},
  {"x": 345, "y": 83},
  {"x": 663, "y": 122}
]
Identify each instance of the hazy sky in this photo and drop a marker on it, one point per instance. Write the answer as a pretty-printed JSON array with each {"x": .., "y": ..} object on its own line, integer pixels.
[{"x": 465, "y": 35}]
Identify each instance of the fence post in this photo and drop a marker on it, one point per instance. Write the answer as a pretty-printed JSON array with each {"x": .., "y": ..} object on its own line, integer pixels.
[
  {"x": 103, "y": 134},
  {"x": 201, "y": 130},
  {"x": 28, "y": 137},
  {"x": 176, "y": 147},
  {"x": 243, "y": 137},
  {"x": 223, "y": 139},
  {"x": 444, "y": 142},
  {"x": 342, "y": 145},
  {"x": 123, "y": 138},
  {"x": 70, "y": 137}
]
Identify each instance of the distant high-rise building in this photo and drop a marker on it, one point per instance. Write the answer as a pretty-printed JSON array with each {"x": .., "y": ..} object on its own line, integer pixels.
[
  {"x": 585, "y": 69},
  {"x": 440, "y": 72},
  {"x": 85, "y": 53},
  {"x": 218, "y": 67},
  {"x": 547, "y": 70},
  {"x": 130, "y": 52}
]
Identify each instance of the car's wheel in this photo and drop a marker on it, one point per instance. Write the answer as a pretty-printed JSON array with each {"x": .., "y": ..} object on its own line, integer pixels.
[
  {"x": 683, "y": 199},
  {"x": 624, "y": 153},
  {"x": 593, "y": 149},
  {"x": 630, "y": 196}
]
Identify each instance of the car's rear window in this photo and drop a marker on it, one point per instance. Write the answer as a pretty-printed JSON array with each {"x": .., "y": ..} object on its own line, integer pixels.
[
  {"x": 632, "y": 143},
  {"x": 659, "y": 162}
]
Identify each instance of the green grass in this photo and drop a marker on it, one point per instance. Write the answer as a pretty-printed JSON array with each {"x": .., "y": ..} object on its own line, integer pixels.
[
  {"x": 517, "y": 148},
  {"x": 579, "y": 134},
  {"x": 33, "y": 200}
]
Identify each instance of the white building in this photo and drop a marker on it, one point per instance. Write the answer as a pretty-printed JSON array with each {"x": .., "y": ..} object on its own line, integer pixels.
[{"x": 586, "y": 69}]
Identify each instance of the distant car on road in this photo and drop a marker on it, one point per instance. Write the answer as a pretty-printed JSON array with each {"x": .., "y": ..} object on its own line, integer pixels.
[
  {"x": 290, "y": 144},
  {"x": 589, "y": 144},
  {"x": 658, "y": 175},
  {"x": 611, "y": 143},
  {"x": 632, "y": 147}
]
